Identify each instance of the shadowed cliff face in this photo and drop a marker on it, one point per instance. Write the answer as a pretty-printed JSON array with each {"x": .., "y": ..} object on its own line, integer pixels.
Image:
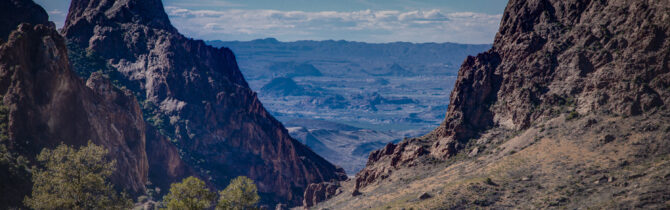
[
  {"x": 15, "y": 12},
  {"x": 197, "y": 97},
  {"x": 549, "y": 57},
  {"x": 49, "y": 104}
]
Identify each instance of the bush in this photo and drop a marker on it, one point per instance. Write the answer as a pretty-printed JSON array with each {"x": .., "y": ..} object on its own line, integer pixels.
[
  {"x": 240, "y": 194},
  {"x": 489, "y": 181},
  {"x": 572, "y": 115},
  {"x": 75, "y": 179},
  {"x": 190, "y": 194}
]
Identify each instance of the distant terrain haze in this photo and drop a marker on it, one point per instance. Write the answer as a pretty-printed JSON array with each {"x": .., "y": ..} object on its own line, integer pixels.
[{"x": 374, "y": 21}]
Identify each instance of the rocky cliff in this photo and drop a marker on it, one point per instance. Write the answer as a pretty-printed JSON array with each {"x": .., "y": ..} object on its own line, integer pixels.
[
  {"x": 598, "y": 56},
  {"x": 568, "y": 108},
  {"x": 552, "y": 54},
  {"x": 196, "y": 96},
  {"x": 46, "y": 103}
]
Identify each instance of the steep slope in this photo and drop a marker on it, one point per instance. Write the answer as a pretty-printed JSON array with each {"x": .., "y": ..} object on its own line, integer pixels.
[
  {"x": 196, "y": 96},
  {"x": 44, "y": 104},
  {"x": 568, "y": 108},
  {"x": 344, "y": 145}
]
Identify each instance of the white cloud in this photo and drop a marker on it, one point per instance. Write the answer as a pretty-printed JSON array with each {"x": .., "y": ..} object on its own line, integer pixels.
[
  {"x": 364, "y": 25},
  {"x": 57, "y": 16},
  {"x": 205, "y": 3},
  {"x": 56, "y": 12}
]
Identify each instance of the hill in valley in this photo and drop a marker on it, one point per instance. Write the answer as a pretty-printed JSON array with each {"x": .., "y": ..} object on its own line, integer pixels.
[{"x": 291, "y": 69}]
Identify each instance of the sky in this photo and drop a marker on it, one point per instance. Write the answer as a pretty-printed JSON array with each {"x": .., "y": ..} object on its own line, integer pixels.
[{"x": 375, "y": 21}]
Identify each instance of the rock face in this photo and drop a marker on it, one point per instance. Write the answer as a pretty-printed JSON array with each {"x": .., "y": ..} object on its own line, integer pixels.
[
  {"x": 571, "y": 53},
  {"x": 196, "y": 96},
  {"x": 15, "y": 12},
  {"x": 392, "y": 156},
  {"x": 165, "y": 163},
  {"x": 606, "y": 57},
  {"x": 49, "y": 104},
  {"x": 318, "y": 192}
]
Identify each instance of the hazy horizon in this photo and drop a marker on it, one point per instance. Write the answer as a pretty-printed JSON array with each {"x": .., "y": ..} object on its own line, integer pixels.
[
  {"x": 340, "y": 40},
  {"x": 370, "y": 21}
]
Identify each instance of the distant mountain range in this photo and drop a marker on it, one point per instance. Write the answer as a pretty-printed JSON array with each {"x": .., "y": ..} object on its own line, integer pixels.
[
  {"x": 371, "y": 85},
  {"x": 387, "y": 91},
  {"x": 346, "y": 58}
]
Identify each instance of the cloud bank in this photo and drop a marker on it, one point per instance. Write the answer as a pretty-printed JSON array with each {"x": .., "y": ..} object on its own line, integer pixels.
[{"x": 366, "y": 25}]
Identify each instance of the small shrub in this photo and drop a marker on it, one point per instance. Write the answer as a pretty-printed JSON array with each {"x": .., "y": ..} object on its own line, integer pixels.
[
  {"x": 572, "y": 115},
  {"x": 190, "y": 194},
  {"x": 489, "y": 181},
  {"x": 240, "y": 194},
  {"x": 142, "y": 199}
]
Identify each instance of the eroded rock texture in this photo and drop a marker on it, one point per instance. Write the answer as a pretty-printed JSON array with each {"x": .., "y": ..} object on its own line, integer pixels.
[
  {"x": 608, "y": 57},
  {"x": 318, "y": 192},
  {"x": 196, "y": 96},
  {"x": 48, "y": 104}
]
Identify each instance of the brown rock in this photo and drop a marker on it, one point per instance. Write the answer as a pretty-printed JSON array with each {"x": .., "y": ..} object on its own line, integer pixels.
[
  {"x": 356, "y": 193},
  {"x": 49, "y": 105},
  {"x": 382, "y": 162},
  {"x": 424, "y": 196},
  {"x": 165, "y": 163},
  {"x": 200, "y": 95},
  {"x": 319, "y": 192},
  {"x": 550, "y": 56}
]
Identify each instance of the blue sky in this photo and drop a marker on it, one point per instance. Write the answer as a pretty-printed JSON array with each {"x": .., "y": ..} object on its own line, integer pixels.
[{"x": 462, "y": 21}]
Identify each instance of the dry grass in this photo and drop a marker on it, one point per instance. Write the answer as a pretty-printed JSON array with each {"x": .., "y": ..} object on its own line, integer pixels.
[{"x": 556, "y": 165}]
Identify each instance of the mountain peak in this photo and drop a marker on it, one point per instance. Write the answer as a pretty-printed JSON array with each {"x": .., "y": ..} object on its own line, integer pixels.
[
  {"x": 268, "y": 40},
  {"x": 85, "y": 14},
  {"x": 147, "y": 12},
  {"x": 214, "y": 116}
]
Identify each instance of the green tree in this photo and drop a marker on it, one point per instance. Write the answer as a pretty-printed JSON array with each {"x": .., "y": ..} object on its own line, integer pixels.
[
  {"x": 190, "y": 194},
  {"x": 240, "y": 194},
  {"x": 75, "y": 179}
]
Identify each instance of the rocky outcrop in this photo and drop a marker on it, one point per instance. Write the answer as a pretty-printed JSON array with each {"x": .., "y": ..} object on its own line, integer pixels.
[
  {"x": 552, "y": 57},
  {"x": 15, "y": 12},
  {"x": 48, "y": 104},
  {"x": 196, "y": 96},
  {"x": 318, "y": 192},
  {"x": 405, "y": 153}
]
